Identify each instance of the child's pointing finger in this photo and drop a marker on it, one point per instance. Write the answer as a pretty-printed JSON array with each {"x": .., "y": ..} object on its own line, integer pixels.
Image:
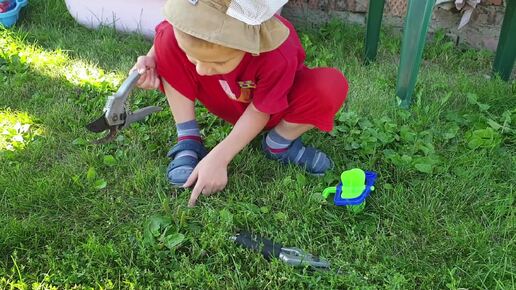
[
  {"x": 195, "y": 194},
  {"x": 197, "y": 188}
]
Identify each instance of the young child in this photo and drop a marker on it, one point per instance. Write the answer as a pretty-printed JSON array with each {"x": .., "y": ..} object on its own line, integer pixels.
[{"x": 251, "y": 75}]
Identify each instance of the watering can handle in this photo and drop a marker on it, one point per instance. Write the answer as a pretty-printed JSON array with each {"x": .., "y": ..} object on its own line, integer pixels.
[
  {"x": 328, "y": 191},
  {"x": 22, "y": 3}
]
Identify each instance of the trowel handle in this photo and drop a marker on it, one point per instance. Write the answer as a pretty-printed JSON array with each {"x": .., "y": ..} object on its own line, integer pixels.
[
  {"x": 268, "y": 248},
  {"x": 128, "y": 84}
]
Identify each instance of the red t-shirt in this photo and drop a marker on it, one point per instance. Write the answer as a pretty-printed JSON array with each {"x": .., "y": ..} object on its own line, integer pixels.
[{"x": 265, "y": 79}]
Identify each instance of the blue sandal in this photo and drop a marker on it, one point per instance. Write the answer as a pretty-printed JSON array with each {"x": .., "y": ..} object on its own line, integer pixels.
[
  {"x": 314, "y": 161},
  {"x": 179, "y": 177}
]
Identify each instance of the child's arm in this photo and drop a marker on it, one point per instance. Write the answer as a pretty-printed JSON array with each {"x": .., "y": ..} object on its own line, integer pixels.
[
  {"x": 211, "y": 172},
  {"x": 250, "y": 124}
]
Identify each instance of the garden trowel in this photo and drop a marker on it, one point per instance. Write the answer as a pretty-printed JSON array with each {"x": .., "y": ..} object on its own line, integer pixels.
[
  {"x": 116, "y": 115},
  {"x": 291, "y": 256}
]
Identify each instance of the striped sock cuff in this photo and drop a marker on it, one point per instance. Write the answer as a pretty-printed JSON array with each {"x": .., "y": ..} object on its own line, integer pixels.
[
  {"x": 276, "y": 143},
  {"x": 188, "y": 131},
  {"x": 186, "y": 137}
]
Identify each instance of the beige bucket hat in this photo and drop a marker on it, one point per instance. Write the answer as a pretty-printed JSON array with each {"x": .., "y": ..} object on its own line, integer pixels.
[{"x": 210, "y": 20}]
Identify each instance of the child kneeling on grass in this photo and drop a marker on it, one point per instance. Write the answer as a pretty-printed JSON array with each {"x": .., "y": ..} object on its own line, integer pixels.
[{"x": 247, "y": 67}]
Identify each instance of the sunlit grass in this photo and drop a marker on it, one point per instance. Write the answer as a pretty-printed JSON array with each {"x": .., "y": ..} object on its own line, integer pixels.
[
  {"x": 17, "y": 130},
  {"x": 21, "y": 56}
]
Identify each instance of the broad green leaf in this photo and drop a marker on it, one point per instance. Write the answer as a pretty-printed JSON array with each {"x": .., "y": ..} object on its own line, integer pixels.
[
  {"x": 280, "y": 216},
  {"x": 100, "y": 184},
  {"x": 109, "y": 160},
  {"x": 76, "y": 179},
  {"x": 173, "y": 240},
  {"x": 251, "y": 207},
  {"x": 472, "y": 98},
  {"x": 365, "y": 123},
  {"x": 425, "y": 148},
  {"x": 406, "y": 158},
  {"x": 404, "y": 114},
  {"x": 483, "y": 107},
  {"x": 79, "y": 141},
  {"x": 475, "y": 143},
  {"x": 445, "y": 98},
  {"x": 451, "y": 132},
  {"x": 507, "y": 116},
  {"x": 300, "y": 179},
  {"x": 494, "y": 124},
  {"x": 226, "y": 216},
  {"x": 156, "y": 223},
  {"x": 455, "y": 117},
  {"x": 287, "y": 180},
  {"x": 483, "y": 138},
  {"x": 389, "y": 153},
  {"x": 154, "y": 228},
  {"x": 148, "y": 237},
  {"x": 424, "y": 167},
  {"x": 91, "y": 174}
]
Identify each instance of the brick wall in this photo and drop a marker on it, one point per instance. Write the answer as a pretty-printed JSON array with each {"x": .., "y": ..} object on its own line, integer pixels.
[{"x": 481, "y": 32}]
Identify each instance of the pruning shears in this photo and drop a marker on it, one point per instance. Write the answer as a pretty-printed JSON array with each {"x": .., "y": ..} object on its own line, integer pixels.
[
  {"x": 292, "y": 256},
  {"x": 116, "y": 114}
]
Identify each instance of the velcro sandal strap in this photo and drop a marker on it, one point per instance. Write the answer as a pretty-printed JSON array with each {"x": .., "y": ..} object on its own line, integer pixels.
[{"x": 193, "y": 145}]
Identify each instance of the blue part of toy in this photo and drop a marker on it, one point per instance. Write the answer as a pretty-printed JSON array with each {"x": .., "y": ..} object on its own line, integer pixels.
[
  {"x": 370, "y": 180},
  {"x": 10, "y": 17}
]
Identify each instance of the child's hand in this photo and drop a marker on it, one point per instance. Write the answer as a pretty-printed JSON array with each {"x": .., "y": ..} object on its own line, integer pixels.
[
  {"x": 211, "y": 175},
  {"x": 146, "y": 66}
]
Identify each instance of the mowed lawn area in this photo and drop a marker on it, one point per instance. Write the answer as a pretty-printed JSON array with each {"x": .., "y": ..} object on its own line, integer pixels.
[{"x": 81, "y": 216}]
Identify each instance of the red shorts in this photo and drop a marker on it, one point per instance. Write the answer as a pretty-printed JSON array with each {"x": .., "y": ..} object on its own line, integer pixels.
[{"x": 316, "y": 96}]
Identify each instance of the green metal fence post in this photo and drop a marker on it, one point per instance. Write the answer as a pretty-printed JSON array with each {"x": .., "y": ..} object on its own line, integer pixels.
[
  {"x": 374, "y": 23},
  {"x": 414, "y": 37},
  {"x": 506, "y": 51}
]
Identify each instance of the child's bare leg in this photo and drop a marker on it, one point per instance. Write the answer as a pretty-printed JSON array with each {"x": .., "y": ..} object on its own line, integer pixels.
[
  {"x": 283, "y": 143},
  {"x": 183, "y": 109},
  {"x": 189, "y": 148},
  {"x": 291, "y": 130}
]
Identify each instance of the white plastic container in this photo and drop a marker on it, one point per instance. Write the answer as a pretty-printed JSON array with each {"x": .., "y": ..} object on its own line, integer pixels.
[{"x": 140, "y": 16}]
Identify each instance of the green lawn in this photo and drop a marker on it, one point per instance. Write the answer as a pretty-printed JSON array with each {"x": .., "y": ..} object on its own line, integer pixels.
[{"x": 76, "y": 215}]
